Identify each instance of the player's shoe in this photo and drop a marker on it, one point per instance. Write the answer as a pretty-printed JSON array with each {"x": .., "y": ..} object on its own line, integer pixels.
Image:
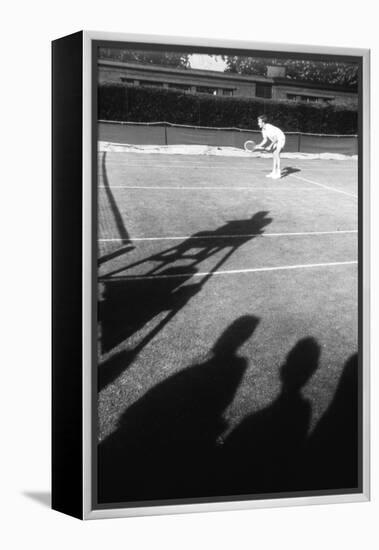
[
  {"x": 270, "y": 175},
  {"x": 276, "y": 176}
]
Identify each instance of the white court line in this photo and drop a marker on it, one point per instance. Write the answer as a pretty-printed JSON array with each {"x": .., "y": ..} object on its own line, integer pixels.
[
  {"x": 221, "y": 166},
  {"x": 249, "y": 169},
  {"x": 325, "y": 186},
  {"x": 220, "y": 162},
  {"x": 189, "y": 237},
  {"x": 203, "y": 187},
  {"x": 177, "y": 165},
  {"x": 228, "y": 272}
]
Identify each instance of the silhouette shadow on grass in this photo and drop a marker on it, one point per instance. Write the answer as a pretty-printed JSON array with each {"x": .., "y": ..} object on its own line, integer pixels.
[
  {"x": 201, "y": 246},
  {"x": 264, "y": 452},
  {"x": 171, "y": 445},
  {"x": 148, "y": 303},
  {"x": 117, "y": 217},
  {"x": 288, "y": 170},
  {"x": 129, "y": 306},
  {"x": 165, "y": 445},
  {"x": 103, "y": 259},
  {"x": 332, "y": 450}
]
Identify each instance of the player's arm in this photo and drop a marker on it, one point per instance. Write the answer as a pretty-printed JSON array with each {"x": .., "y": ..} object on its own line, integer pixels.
[
  {"x": 271, "y": 146},
  {"x": 262, "y": 143}
]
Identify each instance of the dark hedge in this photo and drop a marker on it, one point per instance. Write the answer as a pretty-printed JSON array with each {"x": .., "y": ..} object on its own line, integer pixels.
[{"x": 119, "y": 102}]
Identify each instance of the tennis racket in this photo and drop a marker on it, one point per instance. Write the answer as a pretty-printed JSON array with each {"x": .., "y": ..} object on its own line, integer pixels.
[{"x": 249, "y": 146}]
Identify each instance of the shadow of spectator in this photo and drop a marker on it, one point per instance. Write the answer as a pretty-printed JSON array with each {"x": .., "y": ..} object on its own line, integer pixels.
[
  {"x": 263, "y": 453},
  {"x": 333, "y": 448},
  {"x": 165, "y": 444}
]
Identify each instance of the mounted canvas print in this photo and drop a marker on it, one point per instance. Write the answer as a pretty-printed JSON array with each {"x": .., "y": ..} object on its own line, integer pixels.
[{"x": 210, "y": 328}]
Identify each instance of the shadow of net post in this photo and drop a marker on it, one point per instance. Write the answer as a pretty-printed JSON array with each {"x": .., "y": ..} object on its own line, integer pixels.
[{"x": 116, "y": 214}]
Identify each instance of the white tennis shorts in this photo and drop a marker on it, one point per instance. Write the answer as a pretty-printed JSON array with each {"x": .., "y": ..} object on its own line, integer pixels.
[{"x": 280, "y": 143}]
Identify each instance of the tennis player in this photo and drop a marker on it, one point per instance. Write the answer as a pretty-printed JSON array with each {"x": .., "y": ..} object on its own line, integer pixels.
[{"x": 277, "y": 138}]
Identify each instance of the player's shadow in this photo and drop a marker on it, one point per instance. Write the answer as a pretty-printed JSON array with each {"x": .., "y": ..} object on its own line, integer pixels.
[
  {"x": 165, "y": 445},
  {"x": 144, "y": 305},
  {"x": 288, "y": 170},
  {"x": 263, "y": 454},
  {"x": 332, "y": 451}
]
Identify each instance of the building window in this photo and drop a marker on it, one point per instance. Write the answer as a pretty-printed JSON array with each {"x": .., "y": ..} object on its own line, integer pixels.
[
  {"x": 182, "y": 87},
  {"x": 151, "y": 84},
  {"x": 308, "y": 98},
  {"x": 227, "y": 92},
  {"x": 263, "y": 90},
  {"x": 206, "y": 90},
  {"x": 129, "y": 81}
]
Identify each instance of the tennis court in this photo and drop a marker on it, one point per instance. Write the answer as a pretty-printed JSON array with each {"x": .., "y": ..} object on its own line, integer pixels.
[{"x": 204, "y": 263}]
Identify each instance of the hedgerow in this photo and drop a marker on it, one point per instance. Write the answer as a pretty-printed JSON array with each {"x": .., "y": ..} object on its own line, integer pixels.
[{"x": 119, "y": 102}]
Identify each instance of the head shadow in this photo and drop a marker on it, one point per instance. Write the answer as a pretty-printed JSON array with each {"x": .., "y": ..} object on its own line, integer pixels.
[
  {"x": 333, "y": 447},
  {"x": 165, "y": 444},
  {"x": 301, "y": 363},
  {"x": 263, "y": 452}
]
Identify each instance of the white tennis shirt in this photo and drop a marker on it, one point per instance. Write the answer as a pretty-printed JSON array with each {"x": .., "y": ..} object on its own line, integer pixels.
[{"x": 273, "y": 133}]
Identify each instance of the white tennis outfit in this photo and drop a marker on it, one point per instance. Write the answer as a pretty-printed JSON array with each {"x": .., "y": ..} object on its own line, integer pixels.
[{"x": 274, "y": 134}]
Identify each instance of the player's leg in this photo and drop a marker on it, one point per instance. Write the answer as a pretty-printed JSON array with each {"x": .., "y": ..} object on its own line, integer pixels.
[
  {"x": 277, "y": 172},
  {"x": 276, "y": 157},
  {"x": 272, "y": 173}
]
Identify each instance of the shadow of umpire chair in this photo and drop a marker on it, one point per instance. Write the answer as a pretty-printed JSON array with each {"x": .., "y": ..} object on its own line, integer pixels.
[{"x": 148, "y": 302}]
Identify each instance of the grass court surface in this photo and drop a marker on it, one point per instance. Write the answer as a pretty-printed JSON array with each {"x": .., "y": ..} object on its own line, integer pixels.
[{"x": 227, "y": 326}]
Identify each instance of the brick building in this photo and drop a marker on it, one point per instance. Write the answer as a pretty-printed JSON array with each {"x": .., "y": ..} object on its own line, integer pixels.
[{"x": 274, "y": 86}]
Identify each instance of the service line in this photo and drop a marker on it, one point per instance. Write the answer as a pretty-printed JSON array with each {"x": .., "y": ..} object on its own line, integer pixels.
[
  {"x": 226, "y": 272},
  {"x": 325, "y": 186},
  {"x": 194, "y": 237}
]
